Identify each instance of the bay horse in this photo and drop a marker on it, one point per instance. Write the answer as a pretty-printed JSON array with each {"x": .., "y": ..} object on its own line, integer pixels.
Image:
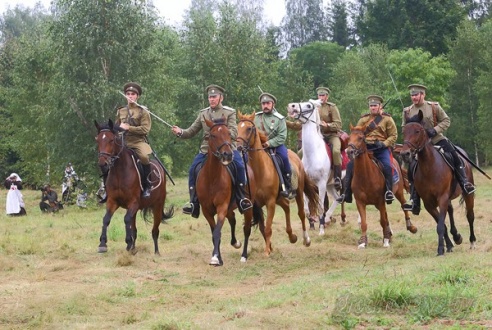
[
  {"x": 436, "y": 184},
  {"x": 316, "y": 162},
  {"x": 123, "y": 187},
  {"x": 214, "y": 188},
  {"x": 368, "y": 186},
  {"x": 250, "y": 140}
]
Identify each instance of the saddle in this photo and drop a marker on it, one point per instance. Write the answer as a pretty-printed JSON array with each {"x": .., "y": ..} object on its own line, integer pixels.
[
  {"x": 344, "y": 137},
  {"x": 281, "y": 171},
  {"x": 394, "y": 170}
]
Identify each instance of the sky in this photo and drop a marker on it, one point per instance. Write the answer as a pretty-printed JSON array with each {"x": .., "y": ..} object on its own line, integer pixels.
[{"x": 171, "y": 10}]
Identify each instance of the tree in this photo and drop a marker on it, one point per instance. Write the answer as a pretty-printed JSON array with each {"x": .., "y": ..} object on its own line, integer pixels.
[{"x": 339, "y": 24}]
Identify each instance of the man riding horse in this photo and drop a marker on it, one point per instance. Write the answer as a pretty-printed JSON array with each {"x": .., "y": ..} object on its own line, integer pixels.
[
  {"x": 272, "y": 123},
  {"x": 436, "y": 122},
  {"x": 135, "y": 120},
  {"x": 331, "y": 126},
  {"x": 216, "y": 111},
  {"x": 380, "y": 135}
]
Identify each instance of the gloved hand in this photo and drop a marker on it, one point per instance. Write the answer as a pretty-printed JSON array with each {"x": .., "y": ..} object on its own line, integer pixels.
[
  {"x": 431, "y": 132},
  {"x": 378, "y": 145}
]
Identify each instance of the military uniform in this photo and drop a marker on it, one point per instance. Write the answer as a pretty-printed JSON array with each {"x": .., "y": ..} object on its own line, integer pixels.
[
  {"x": 227, "y": 114},
  {"x": 138, "y": 117},
  {"x": 274, "y": 126},
  {"x": 380, "y": 134},
  {"x": 436, "y": 122}
]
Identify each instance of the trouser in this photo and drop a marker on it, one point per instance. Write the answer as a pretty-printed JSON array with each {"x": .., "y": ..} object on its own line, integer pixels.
[{"x": 282, "y": 151}]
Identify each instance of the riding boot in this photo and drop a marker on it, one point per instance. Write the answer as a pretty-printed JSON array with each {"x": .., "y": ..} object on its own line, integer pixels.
[
  {"x": 194, "y": 205},
  {"x": 243, "y": 203},
  {"x": 414, "y": 203},
  {"x": 105, "y": 198},
  {"x": 146, "y": 181},
  {"x": 347, "y": 193},
  {"x": 338, "y": 176},
  {"x": 288, "y": 192},
  {"x": 388, "y": 178},
  {"x": 467, "y": 187}
]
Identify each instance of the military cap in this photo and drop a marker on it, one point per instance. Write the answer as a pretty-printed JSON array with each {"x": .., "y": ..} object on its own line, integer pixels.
[
  {"x": 374, "y": 99},
  {"x": 214, "y": 90},
  {"x": 132, "y": 87},
  {"x": 416, "y": 89},
  {"x": 267, "y": 97},
  {"x": 323, "y": 91}
]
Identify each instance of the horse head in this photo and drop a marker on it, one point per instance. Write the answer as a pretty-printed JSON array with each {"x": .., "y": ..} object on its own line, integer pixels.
[
  {"x": 414, "y": 137},
  {"x": 246, "y": 131},
  {"x": 303, "y": 111},
  {"x": 219, "y": 140},
  {"x": 108, "y": 147},
  {"x": 356, "y": 142}
]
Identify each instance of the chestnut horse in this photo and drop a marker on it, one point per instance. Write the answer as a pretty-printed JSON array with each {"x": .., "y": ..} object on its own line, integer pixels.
[
  {"x": 250, "y": 140},
  {"x": 368, "y": 186},
  {"x": 214, "y": 188},
  {"x": 436, "y": 184},
  {"x": 123, "y": 187},
  {"x": 316, "y": 162}
]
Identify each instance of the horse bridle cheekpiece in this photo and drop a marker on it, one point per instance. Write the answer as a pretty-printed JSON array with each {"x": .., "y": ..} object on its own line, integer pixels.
[
  {"x": 415, "y": 149},
  {"x": 110, "y": 159},
  {"x": 302, "y": 113},
  {"x": 245, "y": 147}
]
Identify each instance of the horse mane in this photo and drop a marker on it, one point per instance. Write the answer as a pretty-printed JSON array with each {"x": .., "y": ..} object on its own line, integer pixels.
[{"x": 263, "y": 137}]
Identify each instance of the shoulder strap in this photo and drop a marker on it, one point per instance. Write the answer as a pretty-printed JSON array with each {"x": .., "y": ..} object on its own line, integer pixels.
[{"x": 373, "y": 124}]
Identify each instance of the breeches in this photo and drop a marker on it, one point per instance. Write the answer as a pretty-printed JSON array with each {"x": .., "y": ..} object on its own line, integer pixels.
[
  {"x": 282, "y": 151},
  {"x": 237, "y": 160},
  {"x": 141, "y": 153},
  {"x": 335, "y": 150},
  {"x": 383, "y": 155}
]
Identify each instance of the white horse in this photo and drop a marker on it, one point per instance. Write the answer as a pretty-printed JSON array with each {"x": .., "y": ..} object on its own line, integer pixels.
[{"x": 314, "y": 157}]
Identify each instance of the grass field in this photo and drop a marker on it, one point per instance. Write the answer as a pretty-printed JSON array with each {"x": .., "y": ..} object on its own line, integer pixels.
[{"x": 53, "y": 278}]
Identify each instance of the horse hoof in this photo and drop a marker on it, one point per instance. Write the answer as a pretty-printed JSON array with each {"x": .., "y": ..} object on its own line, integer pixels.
[
  {"x": 243, "y": 259},
  {"x": 412, "y": 229},
  {"x": 459, "y": 239},
  {"x": 307, "y": 242},
  {"x": 293, "y": 239},
  {"x": 237, "y": 245},
  {"x": 321, "y": 231},
  {"x": 214, "y": 261},
  {"x": 472, "y": 246},
  {"x": 102, "y": 249},
  {"x": 361, "y": 246},
  {"x": 333, "y": 220},
  {"x": 386, "y": 243}
]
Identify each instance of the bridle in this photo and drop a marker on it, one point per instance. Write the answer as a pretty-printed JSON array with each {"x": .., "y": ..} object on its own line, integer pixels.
[
  {"x": 217, "y": 153},
  {"x": 110, "y": 159},
  {"x": 356, "y": 152},
  {"x": 251, "y": 139},
  {"x": 305, "y": 115},
  {"x": 414, "y": 147}
]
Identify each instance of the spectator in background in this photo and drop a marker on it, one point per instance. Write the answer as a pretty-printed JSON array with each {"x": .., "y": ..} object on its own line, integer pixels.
[
  {"x": 49, "y": 200},
  {"x": 15, "y": 203}
]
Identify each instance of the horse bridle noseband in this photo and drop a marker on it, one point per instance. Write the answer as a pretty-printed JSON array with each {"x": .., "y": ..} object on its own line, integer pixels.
[
  {"x": 246, "y": 145},
  {"x": 357, "y": 151},
  {"x": 217, "y": 152},
  {"x": 414, "y": 149},
  {"x": 304, "y": 119}
]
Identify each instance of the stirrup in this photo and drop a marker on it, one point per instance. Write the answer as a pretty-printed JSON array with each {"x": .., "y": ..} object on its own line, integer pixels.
[
  {"x": 408, "y": 206},
  {"x": 338, "y": 183},
  {"x": 341, "y": 198},
  {"x": 103, "y": 200},
  {"x": 146, "y": 193},
  {"x": 245, "y": 204},
  {"x": 469, "y": 188},
  {"x": 389, "y": 197},
  {"x": 285, "y": 193}
]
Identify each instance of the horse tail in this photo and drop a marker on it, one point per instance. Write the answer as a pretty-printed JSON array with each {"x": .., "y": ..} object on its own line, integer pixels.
[
  {"x": 311, "y": 192},
  {"x": 258, "y": 214},
  {"x": 167, "y": 213}
]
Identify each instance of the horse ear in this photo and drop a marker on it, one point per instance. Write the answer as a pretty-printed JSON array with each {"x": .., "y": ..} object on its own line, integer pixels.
[
  {"x": 421, "y": 115},
  {"x": 209, "y": 122},
  {"x": 351, "y": 127},
  {"x": 97, "y": 125},
  {"x": 240, "y": 114},
  {"x": 110, "y": 124}
]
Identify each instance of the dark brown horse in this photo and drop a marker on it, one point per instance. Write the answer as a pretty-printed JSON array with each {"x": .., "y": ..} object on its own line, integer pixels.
[
  {"x": 268, "y": 182},
  {"x": 436, "y": 184},
  {"x": 369, "y": 186},
  {"x": 123, "y": 187},
  {"x": 214, "y": 188}
]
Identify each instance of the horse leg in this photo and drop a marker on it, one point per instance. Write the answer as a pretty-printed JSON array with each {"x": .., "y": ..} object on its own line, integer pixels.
[
  {"x": 268, "y": 228},
  {"x": 248, "y": 216},
  {"x": 457, "y": 238},
  {"x": 231, "y": 217},
  {"x": 321, "y": 208},
  {"x": 441, "y": 227},
  {"x": 383, "y": 220},
  {"x": 130, "y": 229},
  {"x": 401, "y": 198},
  {"x": 216, "y": 238},
  {"x": 157, "y": 213},
  {"x": 302, "y": 216},
  {"x": 284, "y": 204},
  {"x": 103, "y": 239},
  {"x": 470, "y": 216},
  {"x": 343, "y": 216},
  {"x": 361, "y": 208}
]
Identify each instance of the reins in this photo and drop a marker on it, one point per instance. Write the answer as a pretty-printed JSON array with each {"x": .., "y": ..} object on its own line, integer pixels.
[{"x": 246, "y": 147}]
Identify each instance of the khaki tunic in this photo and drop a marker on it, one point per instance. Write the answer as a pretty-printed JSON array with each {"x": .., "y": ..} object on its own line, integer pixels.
[
  {"x": 273, "y": 125},
  {"x": 441, "y": 117},
  {"x": 212, "y": 114},
  {"x": 140, "y": 123},
  {"x": 385, "y": 131}
]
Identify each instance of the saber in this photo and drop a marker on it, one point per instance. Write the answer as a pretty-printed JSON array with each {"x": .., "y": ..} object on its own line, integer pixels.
[
  {"x": 165, "y": 170},
  {"x": 394, "y": 85},
  {"x": 469, "y": 160},
  {"x": 157, "y": 117}
]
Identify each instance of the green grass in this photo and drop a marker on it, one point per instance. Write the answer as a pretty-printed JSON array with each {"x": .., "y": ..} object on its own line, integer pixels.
[{"x": 53, "y": 277}]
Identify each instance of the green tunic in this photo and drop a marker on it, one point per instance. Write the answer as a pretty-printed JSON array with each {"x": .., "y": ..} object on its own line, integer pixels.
[
  {"x": 229, "y": 114},
  {"x": 273, "y": 125},
  {"x": 439, "y": 121},
  {"x": 140, "y": 123}
]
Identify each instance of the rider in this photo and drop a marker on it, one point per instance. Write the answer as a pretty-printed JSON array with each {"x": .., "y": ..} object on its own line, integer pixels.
[
  {"x": 216, "y": 111},
  {"x": 331, "y": 125},
  {"x": 135, "y": 120},
  {"x": 436, "y": 122},
  {"x": 381, "y": 135},
  {"x": 272, "y": 123}
]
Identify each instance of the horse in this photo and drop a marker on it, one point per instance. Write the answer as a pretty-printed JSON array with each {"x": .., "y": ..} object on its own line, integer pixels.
[
  {"x": 368, "y": 186},
  {"x": 123, "y": 187},
  {"x": 317, "y": 164},
  {"x": 436, "y": 184},
  {"x": 214, "y": 190},
  {"x": 268, "y": 182}
]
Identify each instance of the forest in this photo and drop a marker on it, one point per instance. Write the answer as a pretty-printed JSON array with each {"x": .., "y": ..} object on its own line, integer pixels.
[{"x": 61, "y": 69}]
